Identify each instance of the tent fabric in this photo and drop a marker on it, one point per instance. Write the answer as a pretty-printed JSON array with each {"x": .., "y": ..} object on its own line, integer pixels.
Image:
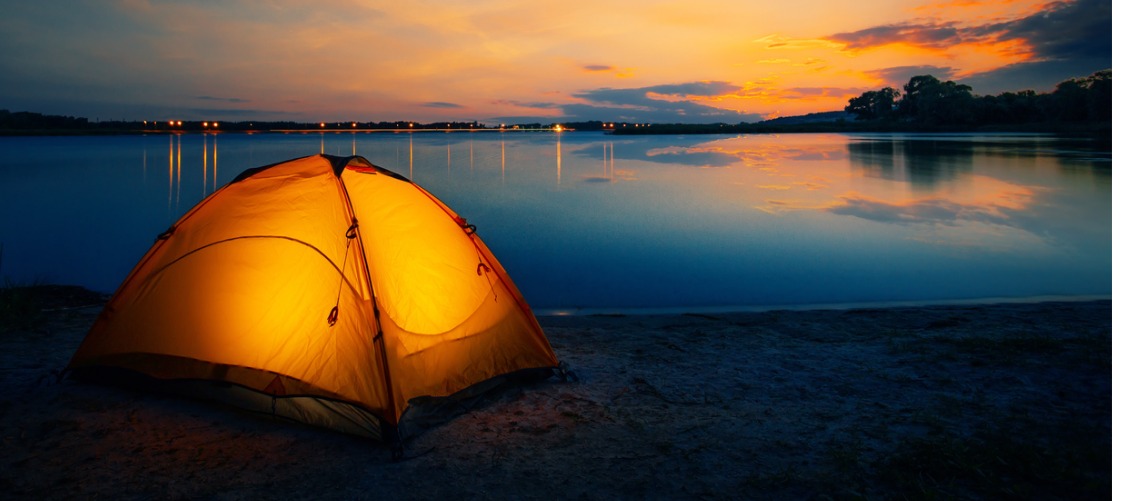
[{"x": 322, "y": 278}]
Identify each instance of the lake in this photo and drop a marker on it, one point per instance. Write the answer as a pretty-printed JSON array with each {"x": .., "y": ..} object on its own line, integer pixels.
[{"x": 589, "y": 222}]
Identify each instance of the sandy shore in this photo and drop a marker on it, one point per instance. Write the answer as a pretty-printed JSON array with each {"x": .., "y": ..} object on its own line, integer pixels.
[{"x": 967, "y": 402}]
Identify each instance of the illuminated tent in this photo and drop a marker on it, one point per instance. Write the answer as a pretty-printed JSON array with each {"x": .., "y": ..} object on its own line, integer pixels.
[{"x": 323, "y": 289}]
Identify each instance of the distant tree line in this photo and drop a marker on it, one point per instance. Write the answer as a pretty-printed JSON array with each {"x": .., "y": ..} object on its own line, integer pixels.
[
  {"x": 28, "y": 120},
  {"x": 24, "y": 122},
  {"x": 926, "y": 101},
  {"x": 1078, "y": 105}
]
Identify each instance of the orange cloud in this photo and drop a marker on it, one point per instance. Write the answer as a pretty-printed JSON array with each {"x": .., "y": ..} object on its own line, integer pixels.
[
  {"x": 786, "y": 43},
  {"x": 982, "y": 11}
]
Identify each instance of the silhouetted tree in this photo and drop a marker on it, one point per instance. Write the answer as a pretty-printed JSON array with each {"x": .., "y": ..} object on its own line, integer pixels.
[
  {"x": 28, "y": 120},
  {"x": 1086, "y": 98},
  {"x": 928, "y": 100},
  {"x": 873, "y": 105},
  {"x": 1069, "y": 101},
  {"x": 1100, "y": 95},
  {"x": 1010, "y": 107}
]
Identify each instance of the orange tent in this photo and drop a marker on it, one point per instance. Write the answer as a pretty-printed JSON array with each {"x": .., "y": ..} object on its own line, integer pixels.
[{"x": 322, "y": 289}]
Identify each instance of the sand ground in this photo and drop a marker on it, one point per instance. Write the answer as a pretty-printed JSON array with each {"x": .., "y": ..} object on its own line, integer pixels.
[{"x": 993, "y": 401}]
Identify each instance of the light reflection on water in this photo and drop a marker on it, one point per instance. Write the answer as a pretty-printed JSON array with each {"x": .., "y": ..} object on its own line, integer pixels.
[{"x": 585, "y": 220}]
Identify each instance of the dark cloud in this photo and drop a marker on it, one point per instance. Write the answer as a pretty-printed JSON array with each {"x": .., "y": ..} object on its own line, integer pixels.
[
  {"x": 1066, "y": 31},
  {"x": 1040, "y": 76},
  {"x": 1062, "y": 30},
  {"x": 1068, "y": 39},
  {"x": 706, "y": 89},
  {"x": 932, "y": 211},
  {"x": 222, "y": 99},
  {"x": 597, "y": 67},
  {"x": 442, "y": 104},
  {"x": 803, "y": 92},
  {"x": 641, "y": 96},
  {"x": 926, "y": 35},
  {"x": 523, "y": 119},
  {"x": 643, "y": 104},
  {"x": 242, "y": 113},
  {"x": 526, "y": 119},
  {"x": 665, "y": 113},
  {"x": 626, "y": 97},
  {"x": 527, "y": 104},
  {"x": 898, "y": 76},
  {"x": 110, "y": 110}
]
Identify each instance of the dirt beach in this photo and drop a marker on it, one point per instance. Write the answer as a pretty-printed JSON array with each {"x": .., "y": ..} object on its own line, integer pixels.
[{"x": 1006, "y": 400}]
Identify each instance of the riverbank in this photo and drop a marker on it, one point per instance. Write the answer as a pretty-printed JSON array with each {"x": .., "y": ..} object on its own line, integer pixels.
[{"x": 969, "y": 401}]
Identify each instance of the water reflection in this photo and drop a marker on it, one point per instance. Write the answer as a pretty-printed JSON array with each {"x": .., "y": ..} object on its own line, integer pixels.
[
  {"x": 215, "y": 187},
  {"x": 920, "y": 180},
  {"x": 205, "y": 164},
  {"x": 876, "y": 158},
  {"x": 174, "y": 158},
  {"x": 606, "y": 175},
  {"x": 699, "y": 152},
  {"x": 923, "y": 163},
  {"x": 710, "y": 220},
  {"x": 946, "y": 191},
  {"x": 608, "y": 170}
]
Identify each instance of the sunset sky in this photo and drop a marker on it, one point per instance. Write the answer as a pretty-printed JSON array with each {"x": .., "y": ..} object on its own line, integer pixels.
[{"x": 515, "y": 61}]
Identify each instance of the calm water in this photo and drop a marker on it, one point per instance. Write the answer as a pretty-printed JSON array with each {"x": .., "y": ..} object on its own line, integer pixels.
[{"x": 586, "y": 220}]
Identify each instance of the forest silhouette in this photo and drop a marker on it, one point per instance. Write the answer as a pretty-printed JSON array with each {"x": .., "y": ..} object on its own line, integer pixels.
[{"x": 926, "y": 101}]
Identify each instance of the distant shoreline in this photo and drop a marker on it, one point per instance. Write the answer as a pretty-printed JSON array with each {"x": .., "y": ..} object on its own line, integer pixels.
[
  {"x": 1098, "y": 130},
  {"x": 854, "y": 305},
  {"x": 26, "y": 123},
  {"x": 1083, "y": 129}
]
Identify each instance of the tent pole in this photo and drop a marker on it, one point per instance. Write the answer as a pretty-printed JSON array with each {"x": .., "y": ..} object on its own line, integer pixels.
[{"x": 379, "y": 337}]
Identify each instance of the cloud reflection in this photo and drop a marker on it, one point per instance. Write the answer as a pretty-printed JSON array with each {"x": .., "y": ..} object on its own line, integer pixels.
[
  {"x": 678, "y": 151},
  {"x": 936, "y": 210},
  {"x": 898, "y": 180}
]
